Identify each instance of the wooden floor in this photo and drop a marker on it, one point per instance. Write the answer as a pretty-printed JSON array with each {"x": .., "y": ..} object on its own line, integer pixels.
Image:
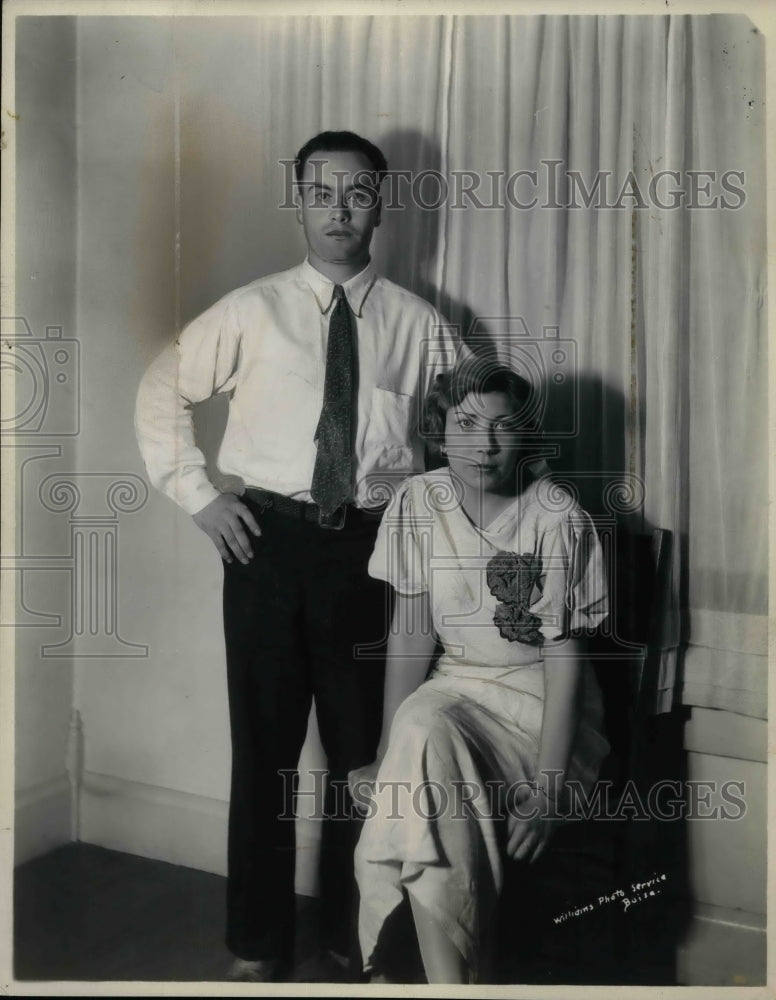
[{"x": 85, "y": 913}]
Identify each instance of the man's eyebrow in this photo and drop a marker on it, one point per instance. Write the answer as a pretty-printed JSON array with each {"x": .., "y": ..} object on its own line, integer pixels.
[{"x": 358, "y": 185}]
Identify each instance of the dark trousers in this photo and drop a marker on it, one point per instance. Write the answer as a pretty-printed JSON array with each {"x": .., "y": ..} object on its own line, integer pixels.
[{"x": 292, "y": 618}]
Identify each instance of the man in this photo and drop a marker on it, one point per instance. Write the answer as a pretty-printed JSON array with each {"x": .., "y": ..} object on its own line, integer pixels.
[{"x": 325, "y": 367}]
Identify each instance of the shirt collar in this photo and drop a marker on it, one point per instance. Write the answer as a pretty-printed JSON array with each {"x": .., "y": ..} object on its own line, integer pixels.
[{"x": 356, "y": 288}]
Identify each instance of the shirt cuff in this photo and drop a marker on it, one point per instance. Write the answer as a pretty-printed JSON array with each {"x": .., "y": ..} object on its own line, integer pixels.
[{"x": 196, "y": 498}]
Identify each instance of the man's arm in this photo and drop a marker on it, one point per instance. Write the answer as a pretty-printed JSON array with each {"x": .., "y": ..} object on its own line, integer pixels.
[
  {"x": 201, "y": 363},
  {"x": 444, "y": 348}
]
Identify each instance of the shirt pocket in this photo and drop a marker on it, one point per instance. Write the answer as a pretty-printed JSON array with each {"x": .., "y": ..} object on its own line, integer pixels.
[{"x": 388, "y": 442}]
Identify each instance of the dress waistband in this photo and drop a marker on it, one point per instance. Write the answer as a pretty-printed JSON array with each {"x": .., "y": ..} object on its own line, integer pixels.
[{"x": 482, "y": 672}]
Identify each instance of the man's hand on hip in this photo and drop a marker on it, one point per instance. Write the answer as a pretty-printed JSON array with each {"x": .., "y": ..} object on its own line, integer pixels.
[{"x": 224, "y": 521}]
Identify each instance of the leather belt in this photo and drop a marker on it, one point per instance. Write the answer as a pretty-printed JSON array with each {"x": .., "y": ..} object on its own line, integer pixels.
[{"x": 312, "y": 512}]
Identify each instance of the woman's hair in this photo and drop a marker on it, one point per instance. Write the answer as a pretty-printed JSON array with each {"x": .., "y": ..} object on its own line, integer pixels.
[{"x": 480, "y": 376}]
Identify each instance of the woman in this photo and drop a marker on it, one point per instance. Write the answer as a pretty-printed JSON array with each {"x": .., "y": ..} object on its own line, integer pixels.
[{"x": 501, "y": 566}]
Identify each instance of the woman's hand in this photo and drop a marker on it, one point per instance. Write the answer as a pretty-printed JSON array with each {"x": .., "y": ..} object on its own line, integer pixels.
[
  {"x": 530, "y": 822},
  {"x": 361, "y": 784}
]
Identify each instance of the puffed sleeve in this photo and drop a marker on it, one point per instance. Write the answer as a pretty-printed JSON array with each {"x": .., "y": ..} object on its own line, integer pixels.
[
  {"x": 400, "y": 555},
  {"x": 572, "y": 582}
]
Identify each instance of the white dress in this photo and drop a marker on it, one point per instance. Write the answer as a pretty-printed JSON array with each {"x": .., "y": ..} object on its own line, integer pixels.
[{"x": 496, "y": 595}]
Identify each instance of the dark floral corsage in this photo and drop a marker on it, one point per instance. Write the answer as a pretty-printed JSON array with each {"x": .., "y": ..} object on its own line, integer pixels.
[{"x": 511, "y": 579}]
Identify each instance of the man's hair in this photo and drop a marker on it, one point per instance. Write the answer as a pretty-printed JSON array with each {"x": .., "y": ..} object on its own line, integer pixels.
[
  {"x": 341, "y": 142},
  {"x": 480, "y": 376}
]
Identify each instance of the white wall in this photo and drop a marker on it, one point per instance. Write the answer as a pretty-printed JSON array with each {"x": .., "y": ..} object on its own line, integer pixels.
[
  {"x": 159, "y": 722},
  {"x": 45, "y": 296},
  {"x": 726, "y": 943},
  {"x": 156, "y": 728}
]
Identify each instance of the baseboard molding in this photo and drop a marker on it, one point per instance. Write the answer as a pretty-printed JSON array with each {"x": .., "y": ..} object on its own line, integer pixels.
[
  {"x": 723, "y": 947},
  {"x": 178, "y": 827},
  {"x": 42, "y": 819}
]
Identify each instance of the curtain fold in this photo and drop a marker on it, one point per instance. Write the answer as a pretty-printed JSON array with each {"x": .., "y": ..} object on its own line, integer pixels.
[{"x": 645, "y": 325}]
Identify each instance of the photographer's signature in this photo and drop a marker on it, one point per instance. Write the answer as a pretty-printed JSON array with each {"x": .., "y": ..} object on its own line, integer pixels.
[{"x": 637, "y": 892}]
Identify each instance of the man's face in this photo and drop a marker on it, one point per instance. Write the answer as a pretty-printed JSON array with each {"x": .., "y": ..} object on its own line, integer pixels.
[{"x": 339, "y": 206}]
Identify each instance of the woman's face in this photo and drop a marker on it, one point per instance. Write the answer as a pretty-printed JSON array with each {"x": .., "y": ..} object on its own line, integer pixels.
[{"x": 482, "y": 443}]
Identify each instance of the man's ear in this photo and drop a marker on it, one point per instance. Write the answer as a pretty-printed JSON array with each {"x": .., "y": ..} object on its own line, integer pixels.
[
  {"x": 378, "y": 212},
  {"x": 300, "y": 191}
]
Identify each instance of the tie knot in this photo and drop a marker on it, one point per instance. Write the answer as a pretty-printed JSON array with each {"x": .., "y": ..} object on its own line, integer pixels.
[{"x": 339, "y": 293}]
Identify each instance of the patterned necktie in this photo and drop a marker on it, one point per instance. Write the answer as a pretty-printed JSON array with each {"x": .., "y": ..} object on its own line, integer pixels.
[{"x": 333, "y": 473}]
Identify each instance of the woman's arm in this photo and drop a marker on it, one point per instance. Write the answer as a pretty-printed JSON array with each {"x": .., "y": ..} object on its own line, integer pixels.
[
  {"x": 411, "y": 645},
  {"x": 562, "y": 691},
  {"x": 530, "y": 831}
]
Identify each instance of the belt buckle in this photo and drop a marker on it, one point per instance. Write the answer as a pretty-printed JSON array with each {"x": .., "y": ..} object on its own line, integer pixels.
[{"x": 334, "y": 521}]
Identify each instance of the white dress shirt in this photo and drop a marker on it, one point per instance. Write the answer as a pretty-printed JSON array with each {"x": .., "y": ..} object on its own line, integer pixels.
[{"x": 265, "y": 345}]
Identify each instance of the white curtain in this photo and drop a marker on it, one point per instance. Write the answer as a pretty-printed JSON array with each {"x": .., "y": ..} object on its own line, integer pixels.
[{"x": 659, "y": 312}]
